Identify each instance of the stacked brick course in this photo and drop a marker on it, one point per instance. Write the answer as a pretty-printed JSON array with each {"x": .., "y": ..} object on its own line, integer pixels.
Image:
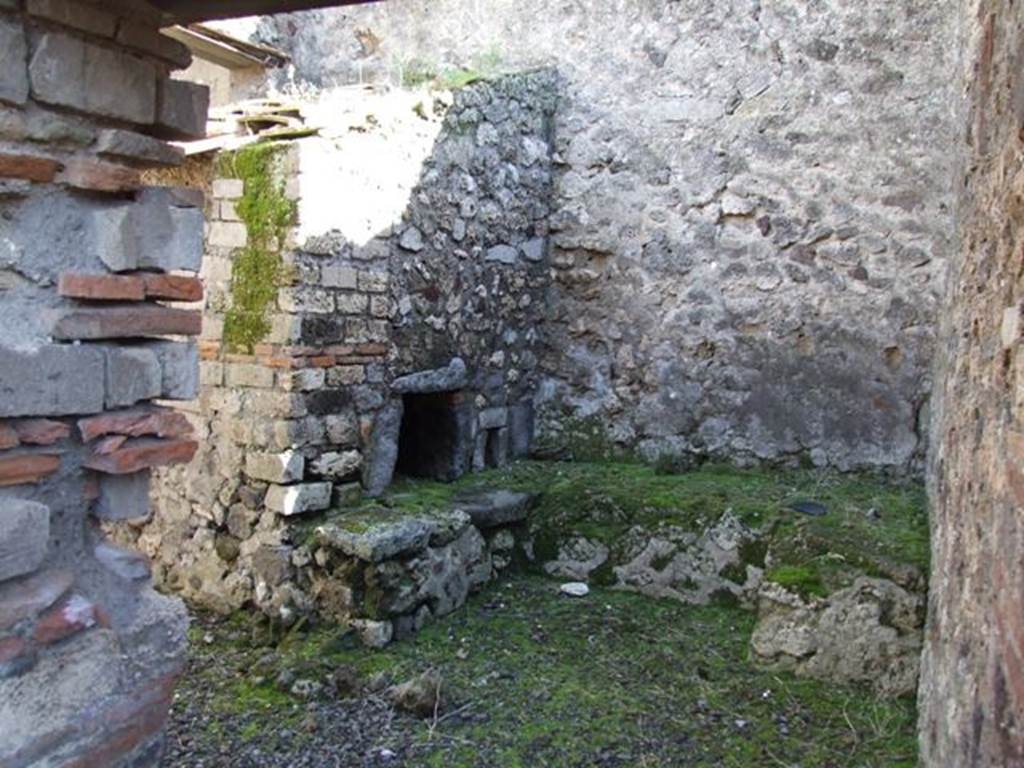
[{"x": 88, "y": 651}]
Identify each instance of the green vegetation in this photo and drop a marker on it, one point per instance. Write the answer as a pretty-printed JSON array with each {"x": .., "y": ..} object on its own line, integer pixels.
[
  {"x": 871, "y": 527},
  {"x": 538, "y": 679},
  {"x": 418, "y": 73},
  {"x": 257, "y": 270}
]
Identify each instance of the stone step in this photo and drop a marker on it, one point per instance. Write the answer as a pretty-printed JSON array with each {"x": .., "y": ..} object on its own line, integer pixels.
[{"x": 493, "y": 507}]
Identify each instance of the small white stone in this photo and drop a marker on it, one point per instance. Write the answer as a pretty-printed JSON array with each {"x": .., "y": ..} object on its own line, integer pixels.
[{"x": 575, "y": 589}]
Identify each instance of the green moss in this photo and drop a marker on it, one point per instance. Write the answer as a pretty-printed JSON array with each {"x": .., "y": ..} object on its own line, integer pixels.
[
  {"x": 257, "y": 270},
  {"x": 614, "y": 679},
  {"x": 804, "y": 581}
]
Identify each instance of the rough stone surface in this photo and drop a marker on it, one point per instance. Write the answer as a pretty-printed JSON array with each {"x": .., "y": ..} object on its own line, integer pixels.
[
  {"x": 137, "y": 149},
  {"x": 972, "y": 677},
  {"x": 451, "y": 377},
  {"x": 24, "y": 535},
  {"x": 132, "y": 374},
  {"x": 377, "y": 542},
  {"x": 181, "y": 109},
  {"x": 738, "y": 270},
  {"x": 869, "y": 633},
  {"x": 284, "y": 467},
  {"x": 13, "y": 71}
]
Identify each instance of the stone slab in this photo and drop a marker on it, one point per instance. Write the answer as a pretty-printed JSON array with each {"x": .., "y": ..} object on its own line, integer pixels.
[
  {"x": 492, "y": 508},
  {"x": 181, "y": 109},
  {"x": 24, "y": 536},
  {"x": 137, "y": 149},
  {"x": 375, "y": 542},
  {"x": 133, "y": 374},
  {"x": 27, "y": 597},
  {"x": 179, "y": 369},
  {"x": 452, "y": 377},
  {"x": 52, "y": 380}
]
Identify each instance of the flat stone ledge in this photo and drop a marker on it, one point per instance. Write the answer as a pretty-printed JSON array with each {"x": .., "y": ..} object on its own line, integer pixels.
[
  {"x": 491, "y": 508},
  {"x": 375, "y": 537}
]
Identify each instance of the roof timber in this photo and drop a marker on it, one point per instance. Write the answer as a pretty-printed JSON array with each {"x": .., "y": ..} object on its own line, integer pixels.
[{"x": 188, "y": 11}]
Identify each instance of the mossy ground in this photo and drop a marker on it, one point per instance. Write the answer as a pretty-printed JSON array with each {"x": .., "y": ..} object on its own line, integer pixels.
[
  {"x": 539, "y": 679},
  {"x": 871, "y": 526}
]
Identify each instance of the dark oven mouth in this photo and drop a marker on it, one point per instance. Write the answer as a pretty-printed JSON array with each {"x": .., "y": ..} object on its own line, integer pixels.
[{"x": 434, "y": 440}]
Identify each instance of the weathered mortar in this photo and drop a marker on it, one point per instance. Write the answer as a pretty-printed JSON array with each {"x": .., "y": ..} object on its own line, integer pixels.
[
  {"x": 416, "y": 262},
  {"x": 752, "y": 211},
  {"x": 972, "y": 690}
]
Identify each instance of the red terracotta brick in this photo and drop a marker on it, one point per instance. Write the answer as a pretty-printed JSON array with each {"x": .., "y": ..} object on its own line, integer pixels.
[
  {"x": 323, "y": 361},
  {"x": 73, "y": 615},
  {"x": 127, "y": 322},
  {"x": 101, "y": 287},
  {"x": 27, "y": 468},
  {"x": 28, "y": 167},
  {"x": 376, "y": 350},
  {"x": 8, "y": 437},
  {"x": 282, "y": 362},
  {"x": 100, "y": 177},
  {"x": 137, "y": 455},
  {"x": 173, "y": 287},
  {"x": 16, "y": 656},
  {"x": 27, "y": 597},
  {"x": 160, "y": 422},
  {"x": 41, "y": 431},
  {"x": 108, "y": 445}
]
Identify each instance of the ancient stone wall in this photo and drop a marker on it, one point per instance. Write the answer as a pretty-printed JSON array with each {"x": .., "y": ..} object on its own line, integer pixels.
[
  {"x": 91, "y": 265},
  {"x": 752, "y": 214},
  {"x": 407, "y": 266},
  {"x": 972, "y": 691}
]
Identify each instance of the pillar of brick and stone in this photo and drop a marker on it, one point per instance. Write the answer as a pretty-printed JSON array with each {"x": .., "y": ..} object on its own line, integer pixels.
[{"x": 91, "y": 266}]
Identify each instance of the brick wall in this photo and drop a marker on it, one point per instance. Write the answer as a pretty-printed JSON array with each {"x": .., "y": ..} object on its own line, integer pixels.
[
  {"x": 92, "y": 267},
  {"x": 418, "y": 300}
]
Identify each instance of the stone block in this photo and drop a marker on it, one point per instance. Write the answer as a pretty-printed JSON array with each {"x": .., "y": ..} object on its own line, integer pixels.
[
  {"x": 162, "y": 231},
  {"x": 533, "y": 250},
  {"x": 179, "y": 369},
  {"x": 313, "y": 300},
  {"x": 308, "y": 379},
  {"x": 376, "y": 542},
  {"x": 125, "y": 563},
  {"x": 137, "y": 455},
  {"x": 101, "y": 287},
  {"x": 338, "y": 277},
  {"x": 88, "y": 18},
  {"x": 1010, "y": 328},
  {"x": 137, "y": 149},
  {"x": 351, "y": 303},
  {"x": 132, "y": 374},
  {"x": 29, "y": 596},
  {"x": 123, "y": 497},
  {"x": 228, "y": 189},
  {"x": 287, "y": 467},
  {"x": 68, "y": 72},
  {"x": 452, "y": 377},
  {"x": 493, "y": 418},
  {"x": 53, "y": 380},
  {"x": 228, "y": 234},
  {"x": 338, "y": 466},
  {"x": 126, "y": 322},
  {"x": 24, "y": 536},
  {"x": 248, "y": 375},
  {"x": 346, "y": 375},
  {"x": 13, "y": 67},
  {"x": 173, "y": 287},
  {"x": 291, "y": 500},
  {"x": 373, "y": 282},
  {"x": 491, "y": 508},
  {"x": 504, "y": 254},
  {"x": 228, "y": 211},
  {"x": 181, "y": 109},
  {"x": 41, "y": 170},
  {"x": 136, "y": 422}
]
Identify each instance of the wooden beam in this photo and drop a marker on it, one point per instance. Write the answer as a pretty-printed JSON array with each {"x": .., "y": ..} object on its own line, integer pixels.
[{"x": 187, "y": 11}]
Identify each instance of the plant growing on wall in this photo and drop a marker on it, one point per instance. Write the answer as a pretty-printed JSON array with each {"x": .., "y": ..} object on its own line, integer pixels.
[{"x": 257, "y": 270}]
